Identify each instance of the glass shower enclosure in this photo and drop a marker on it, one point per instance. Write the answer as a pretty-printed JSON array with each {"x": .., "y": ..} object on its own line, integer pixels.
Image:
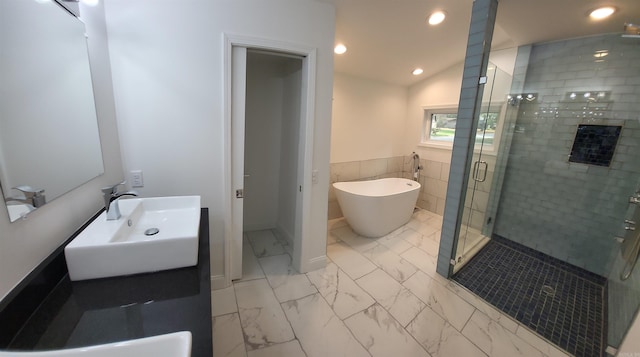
[
  {"x": 556, "y": 166},
  {"x": 479, "y": 208}
]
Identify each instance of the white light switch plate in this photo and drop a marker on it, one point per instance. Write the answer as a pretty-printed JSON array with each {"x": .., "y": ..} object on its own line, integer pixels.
[{"x": 136, "y": 178}]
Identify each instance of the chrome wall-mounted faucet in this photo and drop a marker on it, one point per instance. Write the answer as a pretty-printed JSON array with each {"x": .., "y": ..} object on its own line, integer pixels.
[
  {"x": 111, "y": 195},
  {"x": 631, "y": 244},
  {"x": 416, "y": 167}
]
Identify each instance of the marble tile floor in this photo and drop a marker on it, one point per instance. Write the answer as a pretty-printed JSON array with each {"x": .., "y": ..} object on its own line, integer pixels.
[{"x": 375, "y": 297}]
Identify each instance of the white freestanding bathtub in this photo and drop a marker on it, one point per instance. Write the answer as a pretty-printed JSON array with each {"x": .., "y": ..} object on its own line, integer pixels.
[{"x": 377, "y": 207}]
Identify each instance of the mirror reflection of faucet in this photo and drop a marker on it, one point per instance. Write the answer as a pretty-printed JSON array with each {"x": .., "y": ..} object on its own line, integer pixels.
[
  {"x": 111, "y": 195},
  {"x": 30, "y": 196}
]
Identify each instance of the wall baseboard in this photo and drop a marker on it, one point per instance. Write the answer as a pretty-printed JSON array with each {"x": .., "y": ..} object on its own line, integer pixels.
[
  {"x": 218, "y": 282},
  {"x": 257, "y": 227},
  {"x": 286, "y": 235},
  {"x": 316, "y": 263}
]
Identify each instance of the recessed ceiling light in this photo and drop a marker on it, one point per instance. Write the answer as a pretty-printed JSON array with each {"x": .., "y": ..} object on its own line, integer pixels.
[
  {"x": 437, "y": 17},
  {"x": 602, "y": 12},
  {"x": 417, "y": 71},
  {"x": 340, "y": 49}
]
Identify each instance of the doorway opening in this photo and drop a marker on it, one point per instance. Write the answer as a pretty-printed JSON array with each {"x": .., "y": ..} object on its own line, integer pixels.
[
  {"x": 272, "y": 113},
  {"x": 269, "y": 147}
]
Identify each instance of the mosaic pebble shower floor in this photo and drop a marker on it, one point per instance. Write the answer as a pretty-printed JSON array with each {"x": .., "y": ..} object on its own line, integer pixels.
[{"x": 563, "y": 303}]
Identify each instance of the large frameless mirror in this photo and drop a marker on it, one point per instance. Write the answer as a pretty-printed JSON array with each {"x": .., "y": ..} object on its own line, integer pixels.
[{"x": 49, "y": 140}]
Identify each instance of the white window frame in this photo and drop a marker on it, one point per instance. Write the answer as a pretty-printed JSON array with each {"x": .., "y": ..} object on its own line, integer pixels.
[{"x": 425, "y": 137}]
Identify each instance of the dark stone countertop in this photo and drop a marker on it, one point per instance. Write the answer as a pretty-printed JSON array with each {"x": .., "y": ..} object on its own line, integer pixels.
[{"x": 91, "y": 312}]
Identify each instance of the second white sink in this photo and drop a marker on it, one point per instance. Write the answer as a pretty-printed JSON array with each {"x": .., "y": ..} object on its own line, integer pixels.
[
  {"x": 177, "y": 344},
  {"x": 121, "y": 247}
]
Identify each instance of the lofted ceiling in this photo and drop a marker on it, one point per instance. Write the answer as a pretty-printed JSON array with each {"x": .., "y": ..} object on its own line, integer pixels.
[{"x": 387, "y": 39}]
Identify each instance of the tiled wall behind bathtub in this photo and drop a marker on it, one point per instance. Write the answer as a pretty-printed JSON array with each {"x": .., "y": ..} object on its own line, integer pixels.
[{"x": 433, "y": 179}]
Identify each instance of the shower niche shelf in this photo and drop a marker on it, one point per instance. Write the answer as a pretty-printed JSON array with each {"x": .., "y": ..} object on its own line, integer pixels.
[{"x": 595, "y": 144}]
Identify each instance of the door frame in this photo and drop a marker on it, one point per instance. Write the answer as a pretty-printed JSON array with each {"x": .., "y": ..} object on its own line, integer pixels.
[{"x": 305, "y": 161}]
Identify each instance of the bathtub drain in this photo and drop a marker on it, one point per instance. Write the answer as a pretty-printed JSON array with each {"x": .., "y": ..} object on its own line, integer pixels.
[{"x": 151, "y": 231}]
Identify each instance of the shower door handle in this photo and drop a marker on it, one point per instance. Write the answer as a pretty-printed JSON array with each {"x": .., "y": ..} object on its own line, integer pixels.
[{"x": 476, "y": 171}]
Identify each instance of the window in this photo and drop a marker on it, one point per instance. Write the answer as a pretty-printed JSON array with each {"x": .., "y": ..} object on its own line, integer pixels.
[
  {"x": 439, "y": 126},
  {"x": 443, "y": 126}
]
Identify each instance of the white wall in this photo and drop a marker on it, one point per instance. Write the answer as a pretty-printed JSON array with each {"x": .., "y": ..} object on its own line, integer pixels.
[
  {"x": 368, "y": 119},
  {"x": 263, "y": 127},
  {"x": 443, "y": 90},
  {"x": 272, "y": 123},
  {"x": 167, "y": 60},
  {"x": 374, "y": 121},
  {"x": 440, "y": 90},
  {"x": 292, "y": 82},
  {"x": 24, "y": 244}
]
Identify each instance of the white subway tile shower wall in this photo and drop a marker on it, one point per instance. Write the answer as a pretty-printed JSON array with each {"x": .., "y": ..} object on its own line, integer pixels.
[{"x": 569, "y": 210}]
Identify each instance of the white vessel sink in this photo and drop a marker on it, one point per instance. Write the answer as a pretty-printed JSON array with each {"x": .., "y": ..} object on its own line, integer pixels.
[
  {"x": 177, "y": 344},
  {"x": 121, "y": 247}
]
